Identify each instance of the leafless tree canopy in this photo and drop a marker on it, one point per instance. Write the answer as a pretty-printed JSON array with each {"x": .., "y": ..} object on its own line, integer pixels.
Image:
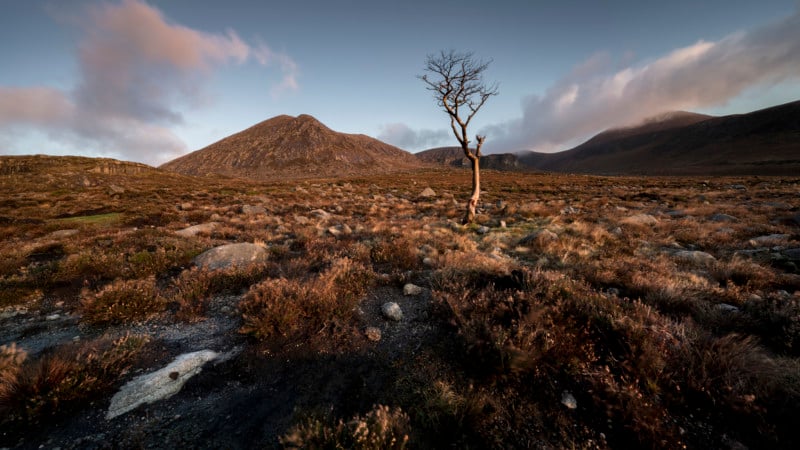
[{"x": 456, "y": 79}]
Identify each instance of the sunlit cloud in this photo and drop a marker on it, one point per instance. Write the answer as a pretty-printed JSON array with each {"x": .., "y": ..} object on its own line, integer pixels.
[
  {"x": 596, "y": 96},
  {"x": 138, "y": 70}
]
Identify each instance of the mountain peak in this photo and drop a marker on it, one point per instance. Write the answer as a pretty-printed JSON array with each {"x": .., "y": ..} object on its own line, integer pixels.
[{"x": 293, "y": 147}]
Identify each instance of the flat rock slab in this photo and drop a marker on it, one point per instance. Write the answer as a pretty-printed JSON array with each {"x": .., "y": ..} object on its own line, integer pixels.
[
  {"x": 695, "y": 257},
  {"x": 640, "y": 219},
  {"x": 160, "y": 384},
  {"x": 230, "y": 255},
  {"x": 195, "y": 229}
]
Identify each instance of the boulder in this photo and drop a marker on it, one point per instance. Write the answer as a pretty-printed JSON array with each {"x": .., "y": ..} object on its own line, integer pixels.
[
  {"x": 722, "y": 218},
  {"x": 770, "y": 239},
  {"x": 230, "y": 255},
  {"x": 392, "y": 311},
  {"x": 568, "y": 400},
  {"x": 195, "y": 229},
  {"x": 160, "y": 384},
  {"x": 411, "y": 289},
  {"x": 427, "y": 192}
]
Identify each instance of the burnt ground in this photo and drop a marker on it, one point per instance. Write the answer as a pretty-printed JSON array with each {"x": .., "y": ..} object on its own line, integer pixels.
[{"x": 251, "y": 399}]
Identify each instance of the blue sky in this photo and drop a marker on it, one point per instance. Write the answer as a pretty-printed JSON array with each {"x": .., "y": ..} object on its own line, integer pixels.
[{"x": 149, "y": 81}]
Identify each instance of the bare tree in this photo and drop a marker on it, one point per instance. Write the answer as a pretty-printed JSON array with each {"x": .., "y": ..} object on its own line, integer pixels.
[{"x": 456, "y": 80}]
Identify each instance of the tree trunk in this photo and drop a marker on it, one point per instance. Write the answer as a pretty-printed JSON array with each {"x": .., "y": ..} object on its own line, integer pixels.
[{"x": 476, "y": 189}]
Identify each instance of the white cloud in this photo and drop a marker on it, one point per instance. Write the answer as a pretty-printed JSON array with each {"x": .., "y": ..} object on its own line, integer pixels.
[
  {"x": 136, "y": 71},
  {"x": 594, "y": 97}
]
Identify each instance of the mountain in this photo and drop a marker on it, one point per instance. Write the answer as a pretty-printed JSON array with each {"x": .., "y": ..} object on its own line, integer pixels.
[
  {"x": 454, "y": 156},
  {"x": 293, "y": 147},
  {"x": 764, "y": 142}
]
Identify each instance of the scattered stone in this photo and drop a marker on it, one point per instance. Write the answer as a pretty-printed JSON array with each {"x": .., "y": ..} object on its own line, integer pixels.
[
  {"x": 301, "y": 220},
  {"x": 320, "y": 214},
  {"x": 640, "y": 219},
  {"x": 722, "y": 218},
  {"x": 185, "y": 206},
  {"x": 726, "y": 308},
  {"x": 539, "y": 237},
  {"x": 392, "y": 311},
  {"x": 373, "y": 334},
  {"x": 483, "y": 229},
  {"x": 738, "y": 187},
  {"x": 568, "y": 400},
  {"x": 253, "y": 210},
  {"x": 570, "y": 210},
  {"x": 160, "y": 384},
  {"x": 676, "y": 213},
  {"x": 225, "y": 256},
  {"x": 340, "y": 230},
  {"x": 411, "y": 289},
  {"x": 428, "y": 261},
  {"x": 695, "y": 257},
  {"x": 617, "y": 231},
  {"x": 770, "y": 239},
  {"x": 196, "y": 229},
  {"x": 427, "y": 192},
  {"x": 52, "y": 317},
  {"x": 503, "y": 224}
]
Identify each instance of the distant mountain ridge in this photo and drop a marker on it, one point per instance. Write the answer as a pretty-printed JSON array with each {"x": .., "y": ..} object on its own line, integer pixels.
[
  {"x": 763, "y": 142},
  {"x": 293, "y": 147},
  {"x": 454, "y": 157}
]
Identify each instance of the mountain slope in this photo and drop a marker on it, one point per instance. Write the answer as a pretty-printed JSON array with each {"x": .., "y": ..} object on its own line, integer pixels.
[
  {"x": 293, "y": 147},
  {"x": 454, "y": 156},
  {"x": 761, "y": 142}
]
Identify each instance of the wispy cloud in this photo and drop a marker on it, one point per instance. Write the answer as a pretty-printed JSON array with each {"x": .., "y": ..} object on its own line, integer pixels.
[
  {"x": 400, "y": 135},
  {"x": 137, "y": 70},
  {"x": 594, "y": 97}
]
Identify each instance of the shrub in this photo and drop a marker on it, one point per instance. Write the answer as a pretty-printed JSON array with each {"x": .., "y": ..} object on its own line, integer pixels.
[
  {"x": 122, "y": 301},
  {"x": 381, "y": 428},
  {"x": 65, "y": 379}
]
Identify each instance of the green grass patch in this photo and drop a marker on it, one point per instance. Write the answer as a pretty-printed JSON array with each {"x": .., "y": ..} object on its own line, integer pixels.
[{"x": 98, "y": 219}]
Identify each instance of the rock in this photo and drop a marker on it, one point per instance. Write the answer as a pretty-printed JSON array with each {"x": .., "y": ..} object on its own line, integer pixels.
[
  {"x": 225, "y": 256},
  {"x": 483, "y": 229},
  {"x": 113, "y": 189},
  {"x": 320, "y": 214},
  {"x": 196, "y": 229},
  {"x": 640, "y": 219},
  {"x": 539, "y": 237},
  {"x": 722, "y": 218},
  {"x": 695, "y": 257},
  {"x": 411, "y": 289},
  {"x": 770, "y": 239},
  {"x": 503, "y": 224},
  {"x": 427, "y": 192},
  {"x": 160, "y": 384},
  {"x": 253, "y": 210},
  {"x": 428, "y": 261},
  {"x": 60, "y": 234},
  {"x": 726, "y": 308},
  {"x": 570, "y": 210},
  {"x": 568, "y": 400},
  {"x": 373, "y": 334},
  {"x": 301, "y": 220},
  {"x": 185, "y": 206},
  {"x": 392, "y": 311}
]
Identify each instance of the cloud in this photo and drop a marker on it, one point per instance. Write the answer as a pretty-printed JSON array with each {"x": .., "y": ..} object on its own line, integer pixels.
[
  {"x": 594, "y": 96},
  {"x": 400, "y": 135},
  {"x": 137, "y": 71}
]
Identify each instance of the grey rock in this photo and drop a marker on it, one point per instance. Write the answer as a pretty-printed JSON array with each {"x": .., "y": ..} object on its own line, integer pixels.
[
  {"x": 392, "y": 311},
  {"x": 695, "y": 257},
  {"x": 60, "y": 234},
  {"x": 570, "y": 210},
  {"x": 196, "y": 229},
  {"x": 160, "y": 384},
  {"x": 483, "y": 229},
  {"x": 230, "y": 255},
  {"x": 726, "y": 308},
  {"x": 769, "y": 239},
  {"x": 427, "y": 192},
  {"x": 722, "y": 218},
  {"x": 320, "y": 214},
  {"x": 792, "y": 253},
  {"x": 568, "y": 400},
  {"x": 411, "y": 289}
]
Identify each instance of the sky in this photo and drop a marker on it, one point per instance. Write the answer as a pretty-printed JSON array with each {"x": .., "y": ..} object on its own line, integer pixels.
[{"x": 149, "y": 81}]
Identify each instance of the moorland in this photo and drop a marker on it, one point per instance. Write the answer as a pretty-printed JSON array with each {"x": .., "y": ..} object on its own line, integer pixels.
[{"x": 577, "y": 312}]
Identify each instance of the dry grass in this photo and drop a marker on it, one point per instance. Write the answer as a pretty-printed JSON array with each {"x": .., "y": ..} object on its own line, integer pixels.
[{"x": 381, "y": 428}]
